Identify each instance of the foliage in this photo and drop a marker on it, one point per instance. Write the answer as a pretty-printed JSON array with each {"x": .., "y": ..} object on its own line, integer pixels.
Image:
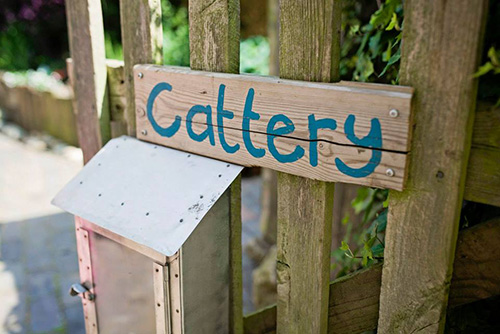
[
  {"x": 175, "y": 35},
  {"x": 371, "y": 51},
  {"x": 363, "y": 243},
  {"x": 254, "y": 55},
  {"x": 491, "y": 67},
  {"x": 41, "y": 80},
  {"x": 32, "y": 32}
]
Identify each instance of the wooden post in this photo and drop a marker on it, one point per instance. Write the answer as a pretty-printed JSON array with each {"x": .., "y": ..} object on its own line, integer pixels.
[
  {"x": 214, "y": 39},
  {"x": 142, "y": 39},
  {"x": 309, "y": 50},
  {"x": 88, "y": 74},
  {"x": 442, "y": 44}
]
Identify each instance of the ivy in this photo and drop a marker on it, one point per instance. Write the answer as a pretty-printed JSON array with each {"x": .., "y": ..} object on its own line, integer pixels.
[{"x": 371, "y": 51}]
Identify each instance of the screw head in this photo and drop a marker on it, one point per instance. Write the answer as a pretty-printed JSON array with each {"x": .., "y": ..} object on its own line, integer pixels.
[
  {"x": 144, "y": 132},
  {"x": 141, "y": 112},
  {"x": 140, "y": 75},
  {"x": 390, "y": 172},
  {"x": 394, "y": 113}
]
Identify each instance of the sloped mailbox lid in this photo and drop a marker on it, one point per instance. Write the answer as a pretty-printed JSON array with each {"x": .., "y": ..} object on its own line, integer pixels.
[{"x": 153, "y": 195}]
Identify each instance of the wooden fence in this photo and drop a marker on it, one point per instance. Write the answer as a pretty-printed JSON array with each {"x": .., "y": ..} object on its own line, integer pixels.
[
  {"x": 455, "y": 150},
  {"x": 34, "y": 110}
]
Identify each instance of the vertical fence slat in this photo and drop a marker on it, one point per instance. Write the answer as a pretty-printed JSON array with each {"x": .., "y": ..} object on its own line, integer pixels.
[
  {"x": 142, "y": 40},
  {"x": 309, "y": 50},
  {"x": 88, "y": 73},
  {"x": 214, "y": 35},
  {"x": 214, "y": 43},
  {"x": 442, "y": 43}
]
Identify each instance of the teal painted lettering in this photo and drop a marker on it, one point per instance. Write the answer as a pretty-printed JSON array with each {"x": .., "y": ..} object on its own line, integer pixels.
[
  {"x": 221, "y": 113},
  {"x": 208, "y": 132},
  {"x": 174, "y": 127},
  {"x": 272, "y": 132},
  {"x": 314, "y": 126},
  {"x": 248, "y": 115},
  {"x": 372, "y": 140}
]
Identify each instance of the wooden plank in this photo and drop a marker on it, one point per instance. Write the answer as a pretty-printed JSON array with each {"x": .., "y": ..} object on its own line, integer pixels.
[
  {"x": 476, "y": 270},
  {"x": 88, "y": 74},
  {"x": 142, "y": 40},
  {"x": 214, "y": 35},
  {"x": 423, "y": 220},
  {"x": 483, "y": 172},
  {"x": 273, "y": 95},
  {"x": 310, "y": 51},
  {"x": 214, "y": 42},
  {"x": 354, "y": 299},
  {"x": 117, "y": 97}
]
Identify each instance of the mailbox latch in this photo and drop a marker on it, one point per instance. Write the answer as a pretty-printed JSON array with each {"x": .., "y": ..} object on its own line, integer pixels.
[{"x": 78, "y": 289}]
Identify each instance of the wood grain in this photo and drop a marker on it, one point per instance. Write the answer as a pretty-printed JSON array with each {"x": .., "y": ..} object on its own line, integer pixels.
[
  {"x": 483, "y": 172},
  {"x": 88, "y": 74},
  {"x": 214, "y": 35},
  {"x": 117, "y": 97},
  {"x": 354, "y": 299},
  {"x": 142, "y": 40},
  {"x": 177, "y": 104},
  {"x": 439, "y": 56},
  {"x": 309, "y": 50},
  {"x": 295, "y": 99},
  {"x": 214, "y": 42}
]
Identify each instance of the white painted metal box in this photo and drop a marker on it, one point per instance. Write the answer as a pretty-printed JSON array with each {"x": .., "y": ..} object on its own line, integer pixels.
[{"x": 153, "y": 227}]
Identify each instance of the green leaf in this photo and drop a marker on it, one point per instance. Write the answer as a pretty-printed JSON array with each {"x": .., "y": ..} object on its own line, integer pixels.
[
  {"x": 369, "y": 243},
  {"x": 484, "y": 69},
  {"x": 346, "y": 218},
  {"x": 381, "y": 221},
  {"x": 378, "y": 250},
  {"x": 492, "y": 54},
  {"x": 395, "y": 58},
  {"x": 344, "y": 246},
  {"x": 394, "y": 23},
  {"x": 374, "y": 44}
]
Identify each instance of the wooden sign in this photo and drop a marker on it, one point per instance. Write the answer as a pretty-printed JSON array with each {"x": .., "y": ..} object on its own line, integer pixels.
[{"x": 346, "y": 132}]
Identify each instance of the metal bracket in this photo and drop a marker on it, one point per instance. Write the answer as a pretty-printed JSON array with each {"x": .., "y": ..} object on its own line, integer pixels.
[{"x": 85, "y": 265}]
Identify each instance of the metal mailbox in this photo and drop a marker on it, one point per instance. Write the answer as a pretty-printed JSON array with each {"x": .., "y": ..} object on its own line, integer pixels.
[{"x": 143, "y": 214}]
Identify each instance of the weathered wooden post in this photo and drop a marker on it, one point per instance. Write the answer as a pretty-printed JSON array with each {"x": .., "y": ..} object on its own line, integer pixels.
[
  {"x": 423, "y": 221},
  {"x": 310, "y": 51},
  {"x": 88, "y": 74}
]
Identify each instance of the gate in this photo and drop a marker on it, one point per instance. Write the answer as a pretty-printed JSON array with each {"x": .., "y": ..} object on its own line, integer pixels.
[{"x": 452, "y": 154}]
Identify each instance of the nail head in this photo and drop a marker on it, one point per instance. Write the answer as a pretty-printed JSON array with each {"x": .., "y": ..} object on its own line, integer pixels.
[{"x": 394, "y": 113}]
